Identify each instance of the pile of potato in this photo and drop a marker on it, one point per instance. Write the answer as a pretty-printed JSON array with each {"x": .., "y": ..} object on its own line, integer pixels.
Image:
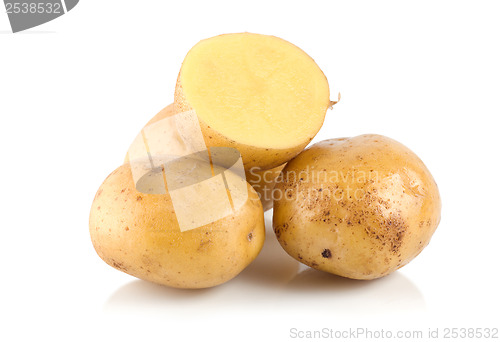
[{"x": 358, "y": 207}]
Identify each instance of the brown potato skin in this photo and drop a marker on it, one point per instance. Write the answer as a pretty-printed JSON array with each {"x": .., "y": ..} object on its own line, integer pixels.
[
  {"x": 362, "y": 226},
  {"x": 138, "y": 234}
]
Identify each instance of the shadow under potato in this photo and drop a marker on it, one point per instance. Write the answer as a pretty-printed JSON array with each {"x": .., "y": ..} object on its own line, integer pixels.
[
  {"x": 311, "y": 279},
  {"x": 276, "y": 279},
  {"x": 143, "y": 293},
  {"x": 392, "y": 293},
  {"x": 273, "y": 266}
]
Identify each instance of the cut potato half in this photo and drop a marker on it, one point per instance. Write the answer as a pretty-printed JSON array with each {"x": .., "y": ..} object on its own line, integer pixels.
[{"x": 259, "y": 94}]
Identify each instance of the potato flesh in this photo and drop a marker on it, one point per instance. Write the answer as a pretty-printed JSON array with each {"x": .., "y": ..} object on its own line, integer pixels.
[{"x": 256, "y": 90}]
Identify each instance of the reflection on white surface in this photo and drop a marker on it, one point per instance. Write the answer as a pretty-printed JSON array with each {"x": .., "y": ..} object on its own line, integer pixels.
[
  {"x": 272, "y": 269},
  {"x": 275, "y": 281},
  {"x": 393, "y": 293}
]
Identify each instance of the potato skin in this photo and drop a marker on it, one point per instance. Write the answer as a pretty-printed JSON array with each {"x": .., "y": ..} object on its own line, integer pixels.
[
  {"x": 162, "y": 114},
  {"x": 138, "y": 234},
  {"x": 166, "y": 112},
  {"x": 358, "y": 207}
]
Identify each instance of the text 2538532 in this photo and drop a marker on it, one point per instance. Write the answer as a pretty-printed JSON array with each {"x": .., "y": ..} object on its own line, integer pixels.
[{"x": 32, "y": 8}]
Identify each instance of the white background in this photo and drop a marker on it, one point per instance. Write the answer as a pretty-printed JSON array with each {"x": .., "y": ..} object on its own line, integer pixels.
[{"x": 74, "y": 93}]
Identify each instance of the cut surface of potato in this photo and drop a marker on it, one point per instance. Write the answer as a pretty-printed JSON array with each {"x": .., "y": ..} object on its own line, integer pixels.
[{"x": 257, "y": 93}]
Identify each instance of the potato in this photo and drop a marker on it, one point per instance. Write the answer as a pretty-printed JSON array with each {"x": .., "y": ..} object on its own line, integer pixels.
[
  {"x": 139, "y": 233},
  {"x": 259, "y": 94},
  {"x": 357, "y": 207},
  {"x": 263, "y": 182}
]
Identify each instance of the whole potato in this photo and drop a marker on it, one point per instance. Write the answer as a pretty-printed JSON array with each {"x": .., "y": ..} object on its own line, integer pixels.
[
  {"x": 139, "y": 234},
  {"x": 357, "y": 207}
]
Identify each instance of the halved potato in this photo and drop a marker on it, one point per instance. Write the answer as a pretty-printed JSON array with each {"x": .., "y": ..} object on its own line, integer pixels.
[{"x": 259, "y": 94}]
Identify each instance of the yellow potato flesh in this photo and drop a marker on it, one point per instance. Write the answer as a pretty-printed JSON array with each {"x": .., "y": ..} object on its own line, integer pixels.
[{"x": 259, "y": 94}]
